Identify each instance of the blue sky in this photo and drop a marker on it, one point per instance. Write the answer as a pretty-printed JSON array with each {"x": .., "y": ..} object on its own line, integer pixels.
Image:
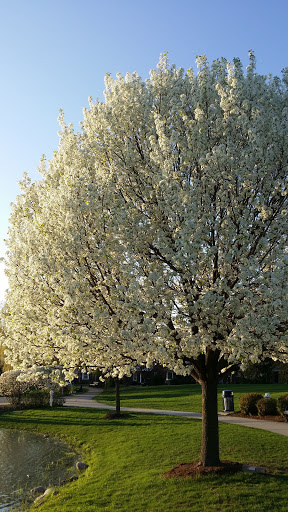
[{"x": 54, "y": 54}]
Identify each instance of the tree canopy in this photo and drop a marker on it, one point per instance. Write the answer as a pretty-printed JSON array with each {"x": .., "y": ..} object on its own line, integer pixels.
[{"x": 159, "y": 232}]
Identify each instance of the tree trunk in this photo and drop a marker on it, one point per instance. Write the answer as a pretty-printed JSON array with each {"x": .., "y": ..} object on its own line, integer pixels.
[
  {"x": 206, "y": 373},
  {"x": 117, "y": 396},
  {"x": 210, "y": 431}
]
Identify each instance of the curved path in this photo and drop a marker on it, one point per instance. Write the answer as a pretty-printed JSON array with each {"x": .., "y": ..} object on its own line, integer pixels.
[{"x": 86, "y": 400}]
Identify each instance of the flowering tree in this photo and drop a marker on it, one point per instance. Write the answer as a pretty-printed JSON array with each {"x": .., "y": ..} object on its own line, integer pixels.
[
  {"x": 66, "y": 305},
  {"x": 198, "y": 164},
  {"x": 168, "y": 237}
]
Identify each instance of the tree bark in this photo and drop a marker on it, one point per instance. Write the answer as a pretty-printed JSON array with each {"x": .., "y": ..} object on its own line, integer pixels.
[
  {"x": 117, "y": 396},
  {"x": 208, "y": 379},
  {"x": 210, "y": 431}
]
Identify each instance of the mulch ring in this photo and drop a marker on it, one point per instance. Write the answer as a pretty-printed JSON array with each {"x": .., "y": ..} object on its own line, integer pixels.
[
  {"x": 115, "y": 415},
  {"x": 193, "y": 469}
]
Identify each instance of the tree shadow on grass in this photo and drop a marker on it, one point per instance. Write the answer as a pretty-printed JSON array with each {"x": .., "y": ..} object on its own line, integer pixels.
[
  {"x": 162, "y": 392},
  {"x": 84, "y": 417}
]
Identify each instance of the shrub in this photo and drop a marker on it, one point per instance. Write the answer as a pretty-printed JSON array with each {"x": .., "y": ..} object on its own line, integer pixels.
[
  {"x": 12, "y": 388},
  {"x": 248, "y": 403},
  {"x": 267, "y": 407},
  {"x": 58, "y": 399},
  {"x": 282, "y": 403},
  {"x": 27, "y": 393},
  {"x": 34, "y": 398}
]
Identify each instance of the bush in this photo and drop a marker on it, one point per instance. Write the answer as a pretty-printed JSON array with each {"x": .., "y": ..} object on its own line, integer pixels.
[
  {"x": 34, "y": 398},
  {"x": 282, "y": 403},
  {"x": 27, "y": 393},
  {"x": 12, "y": 388},
  {"x": 267, "y": 407},
  {"x": 58, "y": 399},
  {"x": 248, "y": 403}
]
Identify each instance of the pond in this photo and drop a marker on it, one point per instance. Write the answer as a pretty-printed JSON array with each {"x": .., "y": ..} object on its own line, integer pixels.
[{"x": 29, "y": 460}]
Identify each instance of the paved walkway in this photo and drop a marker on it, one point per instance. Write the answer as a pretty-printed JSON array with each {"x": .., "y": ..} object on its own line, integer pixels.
[{"x": 86, "y": 400}]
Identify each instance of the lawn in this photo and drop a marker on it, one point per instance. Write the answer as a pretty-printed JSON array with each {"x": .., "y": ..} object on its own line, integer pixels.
[
  {"x": 127, "y": 458},
  {"x": 183, "y": 397}
]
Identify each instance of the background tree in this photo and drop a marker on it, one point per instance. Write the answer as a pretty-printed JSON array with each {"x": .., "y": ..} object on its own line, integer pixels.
[
  {"x": 168, "y": 233},
  {"x": 66, "y": 305}
]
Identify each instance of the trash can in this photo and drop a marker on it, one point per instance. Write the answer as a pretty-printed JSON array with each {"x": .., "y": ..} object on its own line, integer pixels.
[{"x": 228, "y": 401}]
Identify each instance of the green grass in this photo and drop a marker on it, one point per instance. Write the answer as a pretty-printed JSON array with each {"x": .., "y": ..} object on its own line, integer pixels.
[
  {"x": 127, "y": 458},
  {"x": 183, "y": 397}
]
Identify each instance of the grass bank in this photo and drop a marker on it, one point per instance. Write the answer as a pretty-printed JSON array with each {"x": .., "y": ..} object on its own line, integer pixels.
[
  {"x": 127, "y": 458},
  {"x": 183, "y": 397}
]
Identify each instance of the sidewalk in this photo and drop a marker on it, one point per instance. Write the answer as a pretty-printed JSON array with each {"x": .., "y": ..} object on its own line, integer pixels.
[{"x": 86, "y": 400}]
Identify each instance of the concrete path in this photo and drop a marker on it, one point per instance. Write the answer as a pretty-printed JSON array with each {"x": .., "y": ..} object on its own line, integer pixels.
[{"x": 86, "y": 400}]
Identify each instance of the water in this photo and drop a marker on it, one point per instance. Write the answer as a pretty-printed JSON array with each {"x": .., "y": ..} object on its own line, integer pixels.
[{"x": 29, "y": 460}]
